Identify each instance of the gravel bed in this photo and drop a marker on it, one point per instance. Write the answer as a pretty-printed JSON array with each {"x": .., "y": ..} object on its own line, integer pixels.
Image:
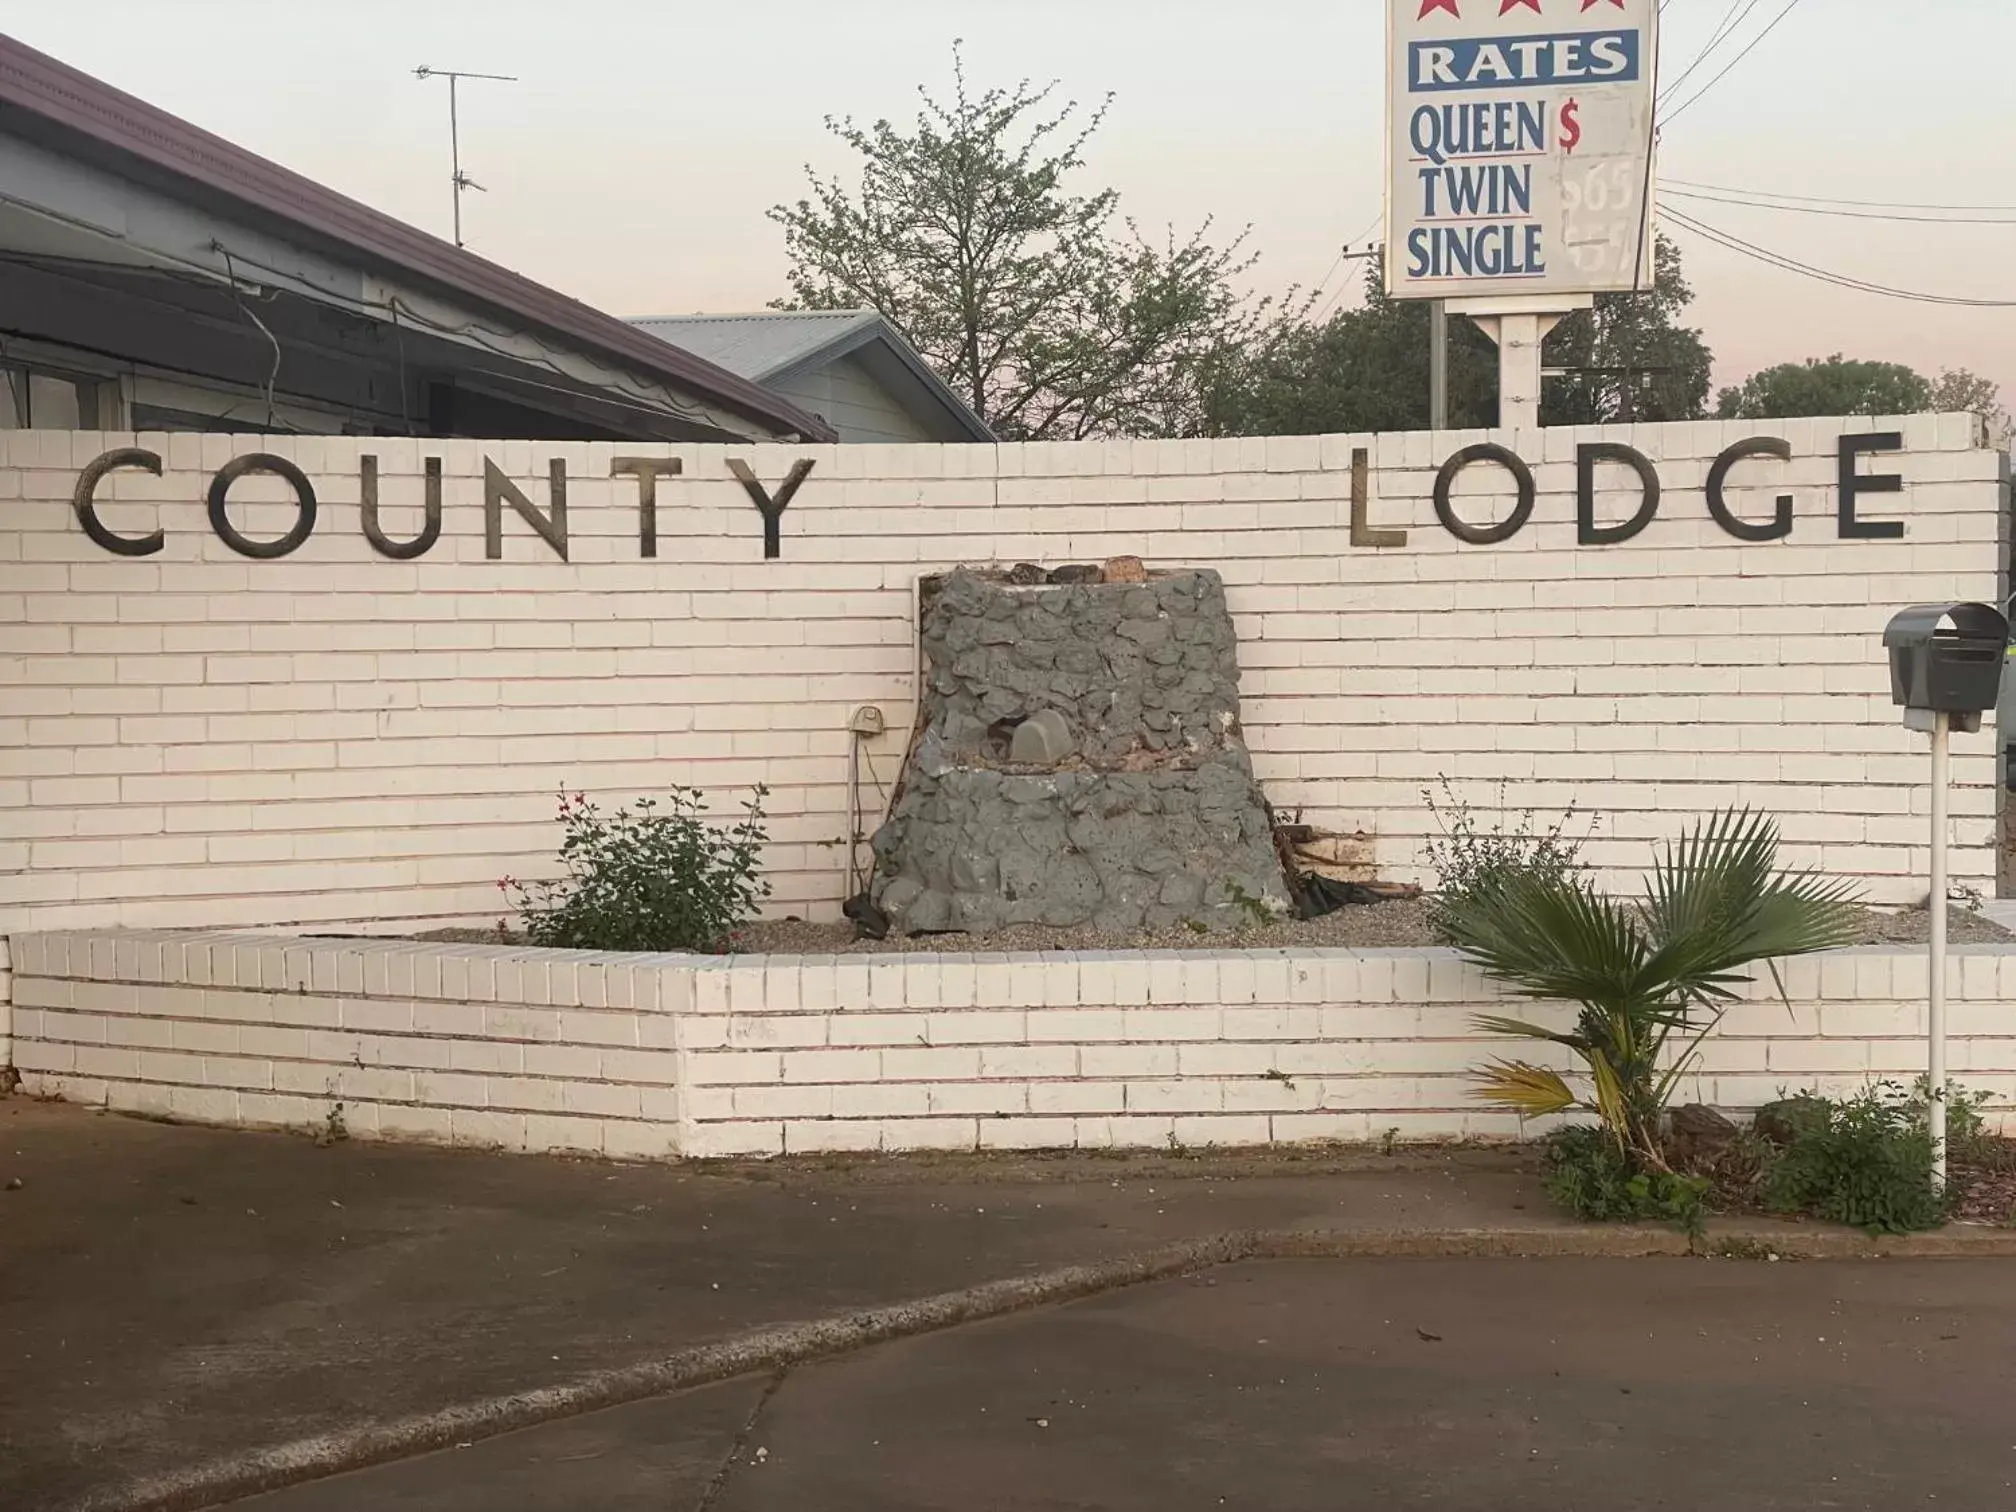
[{"x": 1400, "y": 925}]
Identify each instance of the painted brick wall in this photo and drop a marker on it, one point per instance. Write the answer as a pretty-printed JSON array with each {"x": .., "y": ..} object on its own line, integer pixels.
[
  {"x": 654, "y": 1055},
  {"x": 1232, "y": 1048},
  {"x": 198, "y": 738},
  {"x": 518, "y": 1049}
]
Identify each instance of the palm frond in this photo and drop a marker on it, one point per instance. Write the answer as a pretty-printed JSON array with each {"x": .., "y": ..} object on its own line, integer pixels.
[
  {"x": 1611, "y": 1105},
  {"x": 1533, "y": 1090},
  {"x": 1493, "y": 1023},
  {"x": 1716, "y": 902},
  {"x": 1552, "y": 940}
]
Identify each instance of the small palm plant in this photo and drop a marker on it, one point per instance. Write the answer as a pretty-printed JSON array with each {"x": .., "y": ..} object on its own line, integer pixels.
[{"x": 1645, "y": 976}]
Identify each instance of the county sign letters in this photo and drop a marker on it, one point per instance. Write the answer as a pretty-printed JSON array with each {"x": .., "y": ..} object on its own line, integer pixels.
[{"x": 1520, "y": 140}]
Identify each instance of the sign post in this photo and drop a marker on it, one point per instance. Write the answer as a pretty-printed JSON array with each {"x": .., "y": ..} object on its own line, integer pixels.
[{"x": 1520, "y": 138}]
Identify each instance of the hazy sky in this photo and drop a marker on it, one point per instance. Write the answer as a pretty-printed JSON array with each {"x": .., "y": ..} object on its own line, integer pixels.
[{"x": 632, "y": 165}]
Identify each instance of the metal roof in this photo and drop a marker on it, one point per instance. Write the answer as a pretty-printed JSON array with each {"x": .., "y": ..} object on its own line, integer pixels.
[
  {"x": 50, "y": 101},
  {"x": 773, "y": 346}
]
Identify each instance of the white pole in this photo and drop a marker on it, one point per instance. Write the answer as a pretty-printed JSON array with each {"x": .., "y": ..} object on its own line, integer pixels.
[
  {"x": 1519, "y": 339},
  {"x": 1936, "y": 1005}
]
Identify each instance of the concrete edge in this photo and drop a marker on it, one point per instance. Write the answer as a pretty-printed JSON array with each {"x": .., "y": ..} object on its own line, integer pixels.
[
  {"x": 769, "y": 1348},
  {"x": 783, "y": 1345}
]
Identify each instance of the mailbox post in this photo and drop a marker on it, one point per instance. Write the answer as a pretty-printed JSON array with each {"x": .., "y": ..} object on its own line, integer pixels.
[{"x": 1945, "y": 671}]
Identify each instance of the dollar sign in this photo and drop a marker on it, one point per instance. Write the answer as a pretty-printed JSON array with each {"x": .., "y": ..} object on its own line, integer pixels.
[{"x": 1571, "y": 129}]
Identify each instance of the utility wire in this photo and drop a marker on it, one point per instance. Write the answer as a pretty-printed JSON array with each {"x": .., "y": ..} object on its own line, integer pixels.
[
  {"x": 273, "y": 377},
  {"x": 1730, "y": 20},
  {"x": 1344, "y": 255},
  {"x": 1823, "y": 275},
  {"x": 1694, "y": 99},
  {"x": 1827, "y": 199},
  {"x": 1669, "y": 192}
]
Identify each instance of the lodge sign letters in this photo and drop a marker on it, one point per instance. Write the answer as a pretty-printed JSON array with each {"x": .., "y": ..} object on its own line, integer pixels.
[{"x": 550, "y": 523}]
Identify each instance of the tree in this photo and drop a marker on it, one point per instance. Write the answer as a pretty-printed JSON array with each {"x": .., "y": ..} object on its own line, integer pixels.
[
  {"x": 1364, "y": 369},
  {"x": 1836, "y": 386},
  {"x": 1050, "y": 314},
  {"x": 1629, "y": 358},
  {"x": 1959, "y": 392},
  {"x": 1367, "y": 369}
]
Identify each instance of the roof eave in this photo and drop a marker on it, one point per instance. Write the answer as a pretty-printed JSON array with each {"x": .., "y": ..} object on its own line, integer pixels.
[{"x": 879, "y": 331}]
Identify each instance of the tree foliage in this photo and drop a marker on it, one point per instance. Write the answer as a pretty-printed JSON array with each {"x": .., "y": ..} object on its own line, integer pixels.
[
  {"x": 1045, "y": 309},
  {"x": 1959, "y": 392},
  {"x": 1630, "y": 358},
  {"x": 1366, "y": 369},
  {"x": 1838, "y": 386},
  {"x": 1363, "y": 369},
  {"x": 1831, "y": 386}
]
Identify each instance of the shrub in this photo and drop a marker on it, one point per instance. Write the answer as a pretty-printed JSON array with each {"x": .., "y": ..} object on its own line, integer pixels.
[
  {"x": 648, "y": 877},
  {"x": 1649, "y": 981},
  {"x": 1592, "y": 1177},
  {"x": 1468, "y": 858},
  {"x": 1867, "y": 1163},
  {"x": 1965, "y": 1127}
]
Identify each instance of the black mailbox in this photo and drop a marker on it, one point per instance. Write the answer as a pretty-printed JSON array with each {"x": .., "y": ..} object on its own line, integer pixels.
[{"x": 1947, "y": 658}]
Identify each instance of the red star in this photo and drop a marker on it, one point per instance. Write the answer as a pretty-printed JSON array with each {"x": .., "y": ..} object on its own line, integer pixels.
[
  {"x": 1510, "y": 5},
  {"x": 1435, "y": 5},
  {"x": 1589, "y": 5}
]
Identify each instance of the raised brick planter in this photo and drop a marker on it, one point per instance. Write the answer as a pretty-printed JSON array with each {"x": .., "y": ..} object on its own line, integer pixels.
[{"x": 655, "y": 1056}]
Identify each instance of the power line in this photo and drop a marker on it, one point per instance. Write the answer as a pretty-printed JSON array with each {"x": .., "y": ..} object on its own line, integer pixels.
[
  {"x": 1345, "y": 254},
  {"x": 1841, "y": 213},
  {"x": 1715, "y": 38},
  {"x": 1833, "y": 199},
  {"x": 1694, "y": 99},
  {"x": 1840, "y": 280}
]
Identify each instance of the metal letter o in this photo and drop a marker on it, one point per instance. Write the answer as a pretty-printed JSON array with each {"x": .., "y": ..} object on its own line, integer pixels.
[
  {"x": 1507, "y": 528},
  {"x": 258, "y": 462}
]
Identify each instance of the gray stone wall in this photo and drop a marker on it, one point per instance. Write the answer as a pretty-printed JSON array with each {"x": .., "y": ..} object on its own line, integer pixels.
[{"x": 1080, "y": 763}]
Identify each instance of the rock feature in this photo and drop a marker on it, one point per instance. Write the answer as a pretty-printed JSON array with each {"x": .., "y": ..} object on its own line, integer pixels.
[
  {"x": 1043, "y": 739},
  {"x": 1079, "y": 762},
  {"x": 1124, "y": 569}
]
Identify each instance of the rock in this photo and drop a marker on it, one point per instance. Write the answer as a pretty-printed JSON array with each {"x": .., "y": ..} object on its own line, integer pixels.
[
  {"x": 1043, "y": 739},
  {"x": 1697, "y": 1136},
  {"x": 930, "y": 914},
  {"x": 1785, "y": 1120},
  {"x": 14, "y": 1183},
  {"x": 1078, "y": 574},
  {"x": 973, "y": 870},
  {"x": 1146, "y": 632},
  {"x": 1027, "y": 575},
  {"x": 978, "y": 913},
  {"x": 896, "y": 899},
  {"x": 1124, "y": 569},
  {"x": 870, "y": 921}
]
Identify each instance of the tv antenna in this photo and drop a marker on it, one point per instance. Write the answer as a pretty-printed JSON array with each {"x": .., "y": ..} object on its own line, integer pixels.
[{"x": 460, "y": 179}]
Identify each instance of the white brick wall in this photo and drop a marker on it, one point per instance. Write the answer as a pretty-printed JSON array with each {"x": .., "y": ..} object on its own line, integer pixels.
[
  {"x": 656, "y": 1055},
  {"x": 524, "y": 1050},
  {"x": 198, "y": 738}
]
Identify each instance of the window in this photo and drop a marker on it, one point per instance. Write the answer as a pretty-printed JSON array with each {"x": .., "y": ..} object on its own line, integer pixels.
[{"x": 32, "y": 399}]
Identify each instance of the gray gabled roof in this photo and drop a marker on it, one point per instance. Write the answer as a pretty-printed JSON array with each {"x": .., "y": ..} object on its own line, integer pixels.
[{"x": 774, "y": 346}]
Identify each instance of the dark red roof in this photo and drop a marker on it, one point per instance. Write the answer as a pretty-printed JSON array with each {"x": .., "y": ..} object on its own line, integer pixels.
[{"x": 82, "y": 108}]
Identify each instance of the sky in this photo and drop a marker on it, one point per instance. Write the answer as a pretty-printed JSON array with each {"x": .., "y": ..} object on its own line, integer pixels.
[{"x": 633, "y": 161}]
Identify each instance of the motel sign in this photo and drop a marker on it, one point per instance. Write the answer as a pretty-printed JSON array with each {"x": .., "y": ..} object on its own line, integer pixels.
[{"x": 1520, "y": 147}]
